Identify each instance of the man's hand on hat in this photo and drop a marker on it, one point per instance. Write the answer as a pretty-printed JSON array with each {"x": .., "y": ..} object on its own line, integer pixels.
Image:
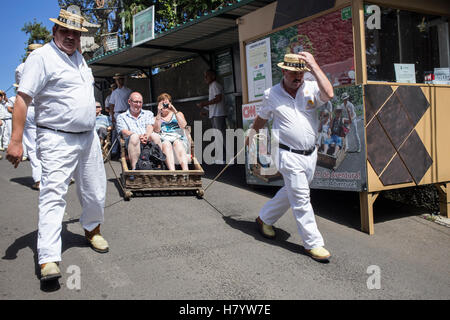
[{"x": 308, "y": 58}]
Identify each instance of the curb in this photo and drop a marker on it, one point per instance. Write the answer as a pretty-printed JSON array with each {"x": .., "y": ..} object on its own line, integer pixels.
[{"x": 437, "y": 219}]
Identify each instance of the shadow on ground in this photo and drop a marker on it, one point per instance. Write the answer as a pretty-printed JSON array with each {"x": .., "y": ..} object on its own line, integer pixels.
[
  {"x": 24, "y": 181},
  {"x": 68, "y": 238}
]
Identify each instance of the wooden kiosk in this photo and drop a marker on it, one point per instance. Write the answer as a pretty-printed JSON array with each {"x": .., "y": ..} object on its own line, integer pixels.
[{"x": 393, "y": 57}]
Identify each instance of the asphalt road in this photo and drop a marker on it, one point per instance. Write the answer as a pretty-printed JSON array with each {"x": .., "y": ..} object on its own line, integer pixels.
[{"x": 167, "y": 247}]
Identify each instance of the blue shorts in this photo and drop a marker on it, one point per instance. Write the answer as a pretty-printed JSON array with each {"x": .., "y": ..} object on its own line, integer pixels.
[{"x": 334, "y": 139}]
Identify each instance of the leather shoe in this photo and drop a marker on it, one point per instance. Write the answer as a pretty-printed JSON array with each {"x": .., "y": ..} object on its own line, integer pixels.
[
  {"x": 266, "y": 230},
  {"x": 36, "y": 185},
  {"x": 319, "y": 254},
  {"x": 97, "y": 242},
  {"x": 50, "y": 271}
]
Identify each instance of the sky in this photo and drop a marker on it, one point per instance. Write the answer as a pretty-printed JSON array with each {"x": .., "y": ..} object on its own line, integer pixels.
[{"x": 15, "y": 13}]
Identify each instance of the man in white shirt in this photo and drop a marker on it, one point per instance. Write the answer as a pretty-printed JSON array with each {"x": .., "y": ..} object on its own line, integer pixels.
[
  {"x": 216, "y": 107},
  {"x": 136, "y": 127},
  {"x": 5, "y": 117},
  {"x": 57, "y": 77},
  {"x": 293, "y": 105},
  {"x": 112, "y": 87},
  {"x": 118, "y": 103},
  {"x": 349, "y": 113}
]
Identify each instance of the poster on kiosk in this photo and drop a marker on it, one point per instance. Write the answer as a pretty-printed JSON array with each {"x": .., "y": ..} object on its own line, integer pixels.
[{"x": 340, "y": 140}]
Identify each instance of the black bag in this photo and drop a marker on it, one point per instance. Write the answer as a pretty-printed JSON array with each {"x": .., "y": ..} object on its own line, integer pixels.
[{"x": 151, "y": 157}]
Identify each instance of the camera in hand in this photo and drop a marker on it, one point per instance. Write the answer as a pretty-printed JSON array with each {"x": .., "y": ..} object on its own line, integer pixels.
[{"x": 165, "y": 105}]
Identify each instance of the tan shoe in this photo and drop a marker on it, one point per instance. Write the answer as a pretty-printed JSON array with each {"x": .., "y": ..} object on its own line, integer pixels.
[
  {"x": 98, "y": 243},
  {"x": 36, "y": 185},
  {"x": 50, "y": 271},
  {"x": 319, "y": 254},
  {"x": 266, "y": 230}
]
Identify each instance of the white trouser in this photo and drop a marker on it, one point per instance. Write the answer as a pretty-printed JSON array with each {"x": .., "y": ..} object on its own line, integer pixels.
[
  {"x": 6, "y": 133},
  {"x": 354, "y": 132},
  {"x": 29, "y": 140},
  {"x": 298, "y": 172},
  {"x": 63, "y": 155}
]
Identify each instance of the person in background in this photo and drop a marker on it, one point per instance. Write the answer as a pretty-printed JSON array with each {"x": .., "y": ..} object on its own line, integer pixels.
[
  {"x": 6, "y": 118},
  {"x": 216, "y": 108},
  {"x": 112, "y": 87},
  {"x": 102, "y": 123},
  {"x": 118, "y": 103}
]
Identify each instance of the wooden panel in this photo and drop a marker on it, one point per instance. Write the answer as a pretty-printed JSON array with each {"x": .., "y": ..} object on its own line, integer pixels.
[
  {"x": 442, "y": 98},
  {"x": 359, "y": 43},
  {"x": 414, "y": 101},
  {"x": 415, "y": 157},
  {"x": 395, "y": 121},
  {"x": 379, "y": 148},
  {"x": 395, "y": 173},
  {"x": 375, "y": 96}
]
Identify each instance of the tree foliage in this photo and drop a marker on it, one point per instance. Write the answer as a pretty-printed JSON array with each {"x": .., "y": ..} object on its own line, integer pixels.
[
  {"x": 168, "y": 13},
  {"x": 37, "y": 33}
]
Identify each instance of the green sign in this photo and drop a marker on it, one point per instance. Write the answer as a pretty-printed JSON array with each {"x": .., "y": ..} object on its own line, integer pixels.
[
  {"x": 144, "y": 26},
  {"x": 346, "y": 13}
]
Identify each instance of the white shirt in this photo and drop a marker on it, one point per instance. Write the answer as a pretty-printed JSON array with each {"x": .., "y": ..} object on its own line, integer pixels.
[
  {"x": 125, "y": 121},
  {"x": 217, "y": 109},
  {"x": 296, "y": 119},
  {"x": 29, "y": 122},
  {"x": 351, "y": 107},
  {"x": 63, "y": 92},
  {"x": 4, "y": 113},
  {"x": 119, "y": 98}
]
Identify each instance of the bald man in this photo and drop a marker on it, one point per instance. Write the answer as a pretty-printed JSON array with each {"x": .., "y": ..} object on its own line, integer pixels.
[{"x": 136, "y": 127}]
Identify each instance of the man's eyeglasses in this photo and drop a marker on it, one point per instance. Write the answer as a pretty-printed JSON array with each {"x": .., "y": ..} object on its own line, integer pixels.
[{"x": 136, "y": 102}]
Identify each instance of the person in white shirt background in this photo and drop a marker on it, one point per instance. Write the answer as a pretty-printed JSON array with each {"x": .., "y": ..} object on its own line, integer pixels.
[
  {"x": 217, "y": 111},
  {"x": 29, "y": 133},
  {"x": 112, "y": 87},
  {"x": 58, "y": 80},
  {"x": 349, "y": 113},
  {"x": 5, "y": 117},
  {"x": 118, "y": 103}
]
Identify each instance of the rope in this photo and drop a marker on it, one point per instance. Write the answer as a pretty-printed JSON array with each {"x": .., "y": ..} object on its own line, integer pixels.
[{"x": 258, "y": 135}]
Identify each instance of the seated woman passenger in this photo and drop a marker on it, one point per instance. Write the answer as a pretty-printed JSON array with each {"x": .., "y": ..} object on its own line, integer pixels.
[{"x": 170, "y": 124}]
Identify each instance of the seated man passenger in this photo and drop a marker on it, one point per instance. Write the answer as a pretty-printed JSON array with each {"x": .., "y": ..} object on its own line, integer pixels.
[
  {"x": 170, "y": 124},
  {"x": 136, "y": 127},
  {"x": 102, "y": 123}
]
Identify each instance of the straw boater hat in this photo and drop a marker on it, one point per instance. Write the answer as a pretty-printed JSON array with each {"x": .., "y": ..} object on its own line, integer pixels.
[
  {"x": 345, "y": 96},
  {"x": 119, "y": 76},
  {"x": 293, "y": 62},
  {"x": 70, "y": 21},
  {"x": 33, "y": 46}
]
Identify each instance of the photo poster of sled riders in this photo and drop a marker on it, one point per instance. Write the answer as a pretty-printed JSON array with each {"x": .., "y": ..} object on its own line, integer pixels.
[{"x": 341, "y": 161}]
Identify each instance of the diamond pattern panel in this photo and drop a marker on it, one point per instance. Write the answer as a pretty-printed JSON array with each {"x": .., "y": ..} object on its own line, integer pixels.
[
  {"x": 391, "y": 132},
  {"x": 395, "y": 121},
  {"x": 375, "y": 96},
  {"x": 414, "y": 101},
  {"x": 395, "y": 173},
  {"x": 415, "y": 157},
  {"x": 379, "y": 148}
]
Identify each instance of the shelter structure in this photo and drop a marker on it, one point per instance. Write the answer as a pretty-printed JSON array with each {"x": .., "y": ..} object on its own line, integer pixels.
[{"x": 388, "y": 61}]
